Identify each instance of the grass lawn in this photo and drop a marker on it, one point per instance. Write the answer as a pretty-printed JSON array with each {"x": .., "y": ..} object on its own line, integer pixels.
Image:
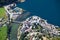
[
  {"x": 59, "y": 29},
  {"x": 56, "y": 38},
  {"x": 2, "y": 12},
  {"x": 38, "y": 27},
  {"x": 3, "y": 33}
]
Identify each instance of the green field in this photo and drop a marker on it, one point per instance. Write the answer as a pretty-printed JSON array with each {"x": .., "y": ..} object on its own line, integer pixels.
[
  {"x": 3, "y": 33},
  {"x": 2, "y": 12},
  {"x": 56, "y": 38}
]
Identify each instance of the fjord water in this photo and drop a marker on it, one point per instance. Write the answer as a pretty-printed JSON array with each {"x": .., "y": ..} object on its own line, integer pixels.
[{"x": 46, "y": 9}]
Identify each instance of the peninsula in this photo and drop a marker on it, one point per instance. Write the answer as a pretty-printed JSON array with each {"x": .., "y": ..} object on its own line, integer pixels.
[{"x": 17, "y": 24}]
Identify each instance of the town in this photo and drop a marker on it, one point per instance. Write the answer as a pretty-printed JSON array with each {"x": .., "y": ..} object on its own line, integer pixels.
[{"x": 17, "y": 24}]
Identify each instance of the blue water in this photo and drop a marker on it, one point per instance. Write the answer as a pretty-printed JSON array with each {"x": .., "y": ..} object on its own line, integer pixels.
[{"x": 46, "y": 9}]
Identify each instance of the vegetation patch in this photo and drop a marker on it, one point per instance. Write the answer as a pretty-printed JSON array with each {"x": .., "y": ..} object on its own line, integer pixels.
[
  {"x": 2, "y": 12},
  {"x": 3, "y": 33},
  {"x": 56, "y": 38}
]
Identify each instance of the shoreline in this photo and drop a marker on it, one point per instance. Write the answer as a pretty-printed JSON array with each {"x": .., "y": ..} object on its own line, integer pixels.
[{"x": 41, "y": 22}]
